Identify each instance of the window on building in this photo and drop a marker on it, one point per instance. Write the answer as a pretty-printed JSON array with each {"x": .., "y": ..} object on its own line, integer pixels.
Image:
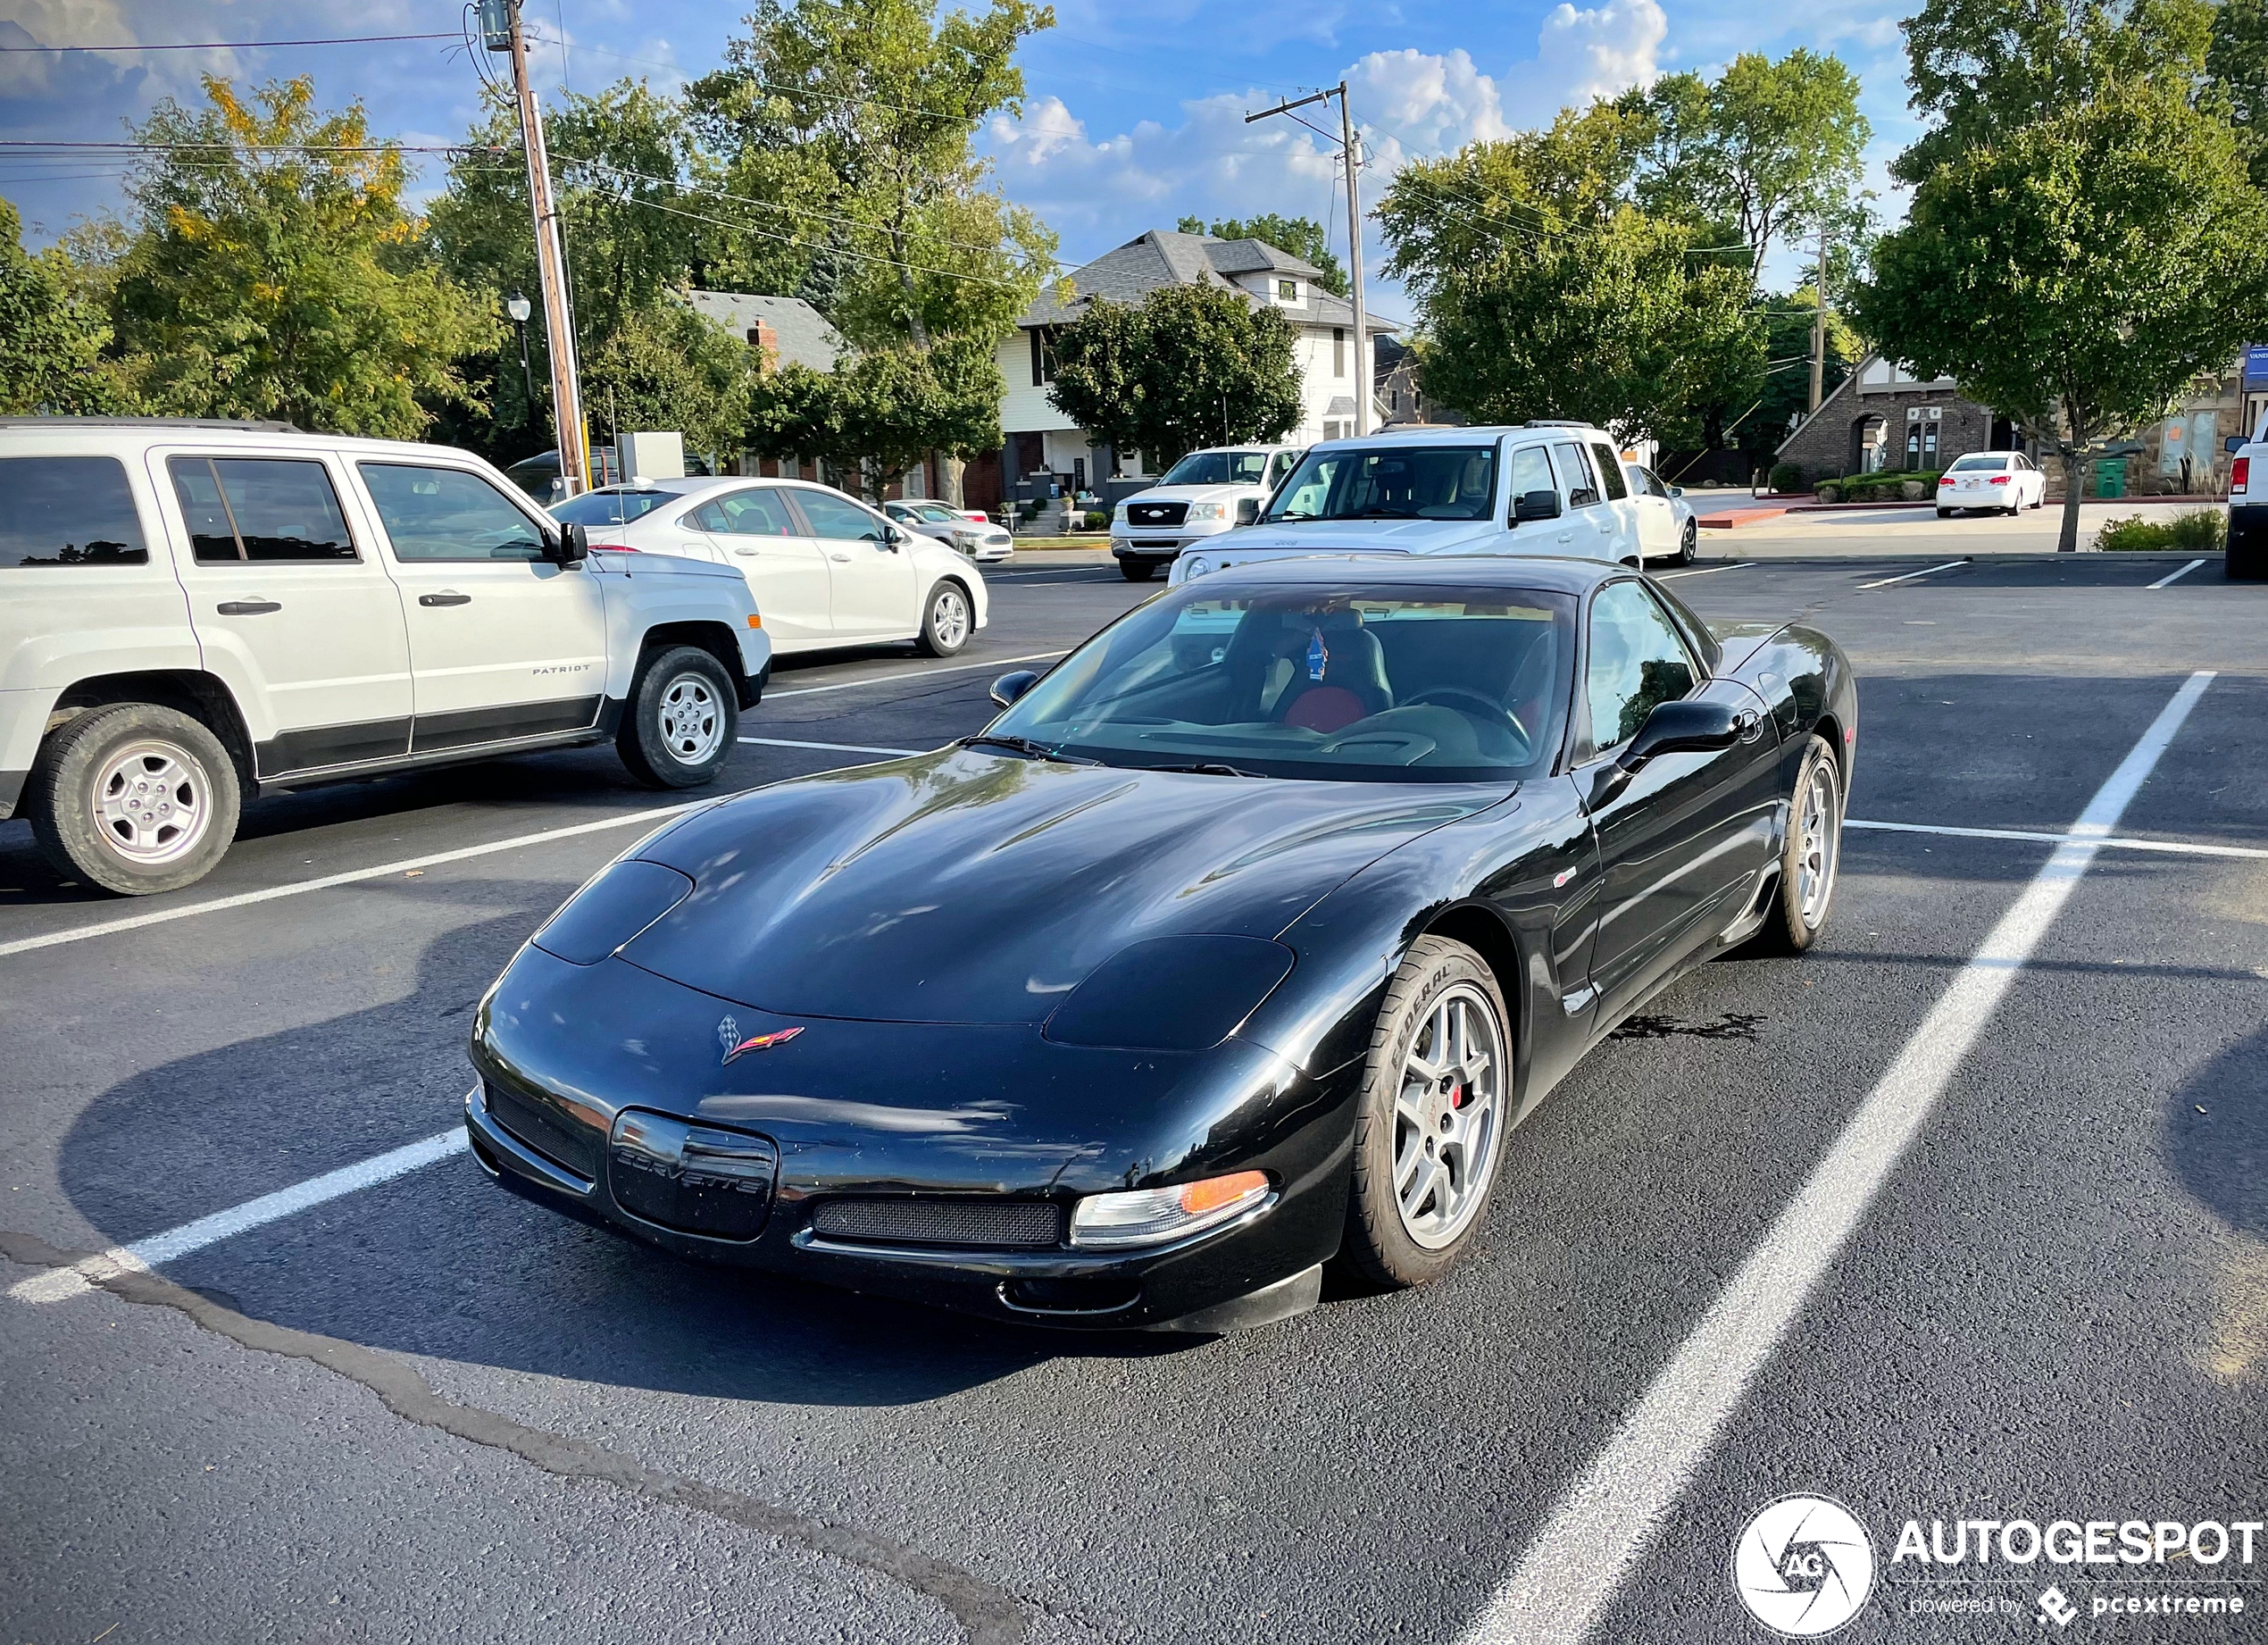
[
  {"x": 1339, "y": 351},
  {"x": 1043, "y": 357},
  {"x": 1287, "y": 291}
]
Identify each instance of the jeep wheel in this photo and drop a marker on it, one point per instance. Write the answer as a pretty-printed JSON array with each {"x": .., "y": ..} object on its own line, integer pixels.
[
  {"x": 1136, "y": 569},
  {"x": 134, "y": 798},
  {"x": 679, "y": 727}
]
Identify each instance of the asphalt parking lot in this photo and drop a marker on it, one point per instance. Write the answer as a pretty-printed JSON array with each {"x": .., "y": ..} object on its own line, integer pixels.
[{"x": 407, "y": 1406}]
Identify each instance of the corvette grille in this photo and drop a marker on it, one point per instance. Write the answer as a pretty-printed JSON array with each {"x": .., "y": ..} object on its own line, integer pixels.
[{"x": 972, "y": 1223}]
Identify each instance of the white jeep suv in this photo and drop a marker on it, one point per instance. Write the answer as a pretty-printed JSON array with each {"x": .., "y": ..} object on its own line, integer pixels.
[
  {"x": 1204, "y": 494},
  {"x": 192, "y": 613},
  {"x": 1543, "y": 487}
]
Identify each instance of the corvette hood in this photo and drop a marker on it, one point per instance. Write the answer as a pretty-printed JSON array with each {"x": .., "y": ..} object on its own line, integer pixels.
[{"x": 966, "y": 887}]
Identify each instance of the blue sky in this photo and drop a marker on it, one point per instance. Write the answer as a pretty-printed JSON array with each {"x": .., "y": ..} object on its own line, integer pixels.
[{"x": 1135, "y": 114}]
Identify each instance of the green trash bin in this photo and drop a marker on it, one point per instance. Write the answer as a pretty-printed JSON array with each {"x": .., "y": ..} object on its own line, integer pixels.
[{"x": 2110, "y": 477}]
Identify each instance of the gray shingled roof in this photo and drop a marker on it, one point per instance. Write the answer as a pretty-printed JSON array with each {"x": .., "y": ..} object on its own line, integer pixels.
[
  {"x": 805, "y": 337},
  {"x": 1162, "y": 257}
]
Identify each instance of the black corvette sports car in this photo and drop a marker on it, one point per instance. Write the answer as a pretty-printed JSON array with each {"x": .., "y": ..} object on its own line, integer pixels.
[{"x": 1240, "y": 943}]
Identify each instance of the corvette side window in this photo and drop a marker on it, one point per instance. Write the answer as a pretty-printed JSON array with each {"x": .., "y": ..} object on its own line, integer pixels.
[{"x": 1637, "y": 660}]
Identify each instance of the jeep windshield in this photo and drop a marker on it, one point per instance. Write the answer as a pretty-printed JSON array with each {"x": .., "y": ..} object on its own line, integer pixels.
[
  {"x": 1398, "y": 482},
  {"x": 1360, "y": 680},
  {"x": 1219, "y": 468}
]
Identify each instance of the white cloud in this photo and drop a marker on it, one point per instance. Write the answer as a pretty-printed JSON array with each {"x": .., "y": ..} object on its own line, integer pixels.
[{"x": 1596, "y": 53}]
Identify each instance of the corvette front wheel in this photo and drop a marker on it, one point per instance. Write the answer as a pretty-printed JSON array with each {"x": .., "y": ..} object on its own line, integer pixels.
[
  {"x": 1436, "y": 1101},
  {"x": 1809, "y": 857}
]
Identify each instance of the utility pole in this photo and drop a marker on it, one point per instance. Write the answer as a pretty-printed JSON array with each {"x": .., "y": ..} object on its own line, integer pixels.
[
  {"x": 1350, "y": 149},
  {"x": 1819, "y": 324},
  {"x": 501, "y": 32}
]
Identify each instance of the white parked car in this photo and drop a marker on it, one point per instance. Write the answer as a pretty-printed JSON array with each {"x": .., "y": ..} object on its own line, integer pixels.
[
  {"x": 826, "y": 570},
  {"x": 1543, "y": 487},
  {"x": 1204, "y": 494},
  {"x": 1666, "y": 528},
  {"x": 195, "y": 613},
  {"x": 980, "y": 539},
  {"x": 2247, "y": 554},
  {"x": 2003, "y": 481}
]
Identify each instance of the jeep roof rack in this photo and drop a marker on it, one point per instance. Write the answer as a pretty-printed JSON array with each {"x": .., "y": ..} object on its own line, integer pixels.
[
  {"x": 151, "y": 422},
  {"x": 1555, "y": 422}
]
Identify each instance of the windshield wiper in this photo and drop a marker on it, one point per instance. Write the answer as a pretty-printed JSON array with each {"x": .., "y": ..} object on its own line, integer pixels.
[
  {"x": 1206, "y": 768},
  {"x": 1026, "y": 746}
]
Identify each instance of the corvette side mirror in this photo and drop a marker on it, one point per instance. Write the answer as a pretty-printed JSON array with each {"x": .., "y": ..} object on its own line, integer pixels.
[
  {"x": 1535, "y": 506},
  {"x": 1683, "y": 726},
  {"x": 1248, "y": 510},
  {"x": 1008, "y": 688}
]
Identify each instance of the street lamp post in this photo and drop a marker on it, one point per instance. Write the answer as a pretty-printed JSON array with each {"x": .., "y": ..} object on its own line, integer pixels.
[{"x": 517, "y": 306}]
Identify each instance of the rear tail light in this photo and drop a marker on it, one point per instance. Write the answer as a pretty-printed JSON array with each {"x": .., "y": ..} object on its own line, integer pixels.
[
  {"x": 2000, "y": 479},
  {"x": 2239, "y": 475},
  {"x": 1944, "y": 479}
]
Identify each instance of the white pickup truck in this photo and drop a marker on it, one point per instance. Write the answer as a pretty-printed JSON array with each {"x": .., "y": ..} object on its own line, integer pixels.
[
  {"x": 1204, "y": 494},
  {"x": 2247, "y": 555},
  {"x": 193, "y": 612}
]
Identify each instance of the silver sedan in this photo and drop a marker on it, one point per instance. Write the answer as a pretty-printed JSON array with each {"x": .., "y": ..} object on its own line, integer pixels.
[{"x": 983, "y": 542}]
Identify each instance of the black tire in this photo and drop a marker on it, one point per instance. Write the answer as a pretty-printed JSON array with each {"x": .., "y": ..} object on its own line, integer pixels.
[
  {"x": 678, "y": 726},
  {"x": 1688, "y": 543},
  {"x": 1944, "y": 514},
  {"x": 1380, "y": 1246},
  {"x": 948, "y": 617},
  {"x": 1795, "y": 920},
  {"x": 1134, "y": 569},
  {"x": 189, "y": 799}
]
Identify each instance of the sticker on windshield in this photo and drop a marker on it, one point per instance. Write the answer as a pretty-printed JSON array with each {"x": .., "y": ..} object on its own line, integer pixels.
[{"x": 1318, "y": 654}]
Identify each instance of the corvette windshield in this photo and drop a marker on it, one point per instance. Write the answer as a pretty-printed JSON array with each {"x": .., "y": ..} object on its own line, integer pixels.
[
  {"x": 1353, "y": 683},
  {"x": 1397, "y": 483},
  {"x": 1219, "y": 468}
]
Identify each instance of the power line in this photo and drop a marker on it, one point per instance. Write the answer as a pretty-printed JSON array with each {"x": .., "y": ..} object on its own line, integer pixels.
[
  {"x": 790, "y": 240},
  {"x": 312, "y": 148},
  {"x": 236, "y": 45}
]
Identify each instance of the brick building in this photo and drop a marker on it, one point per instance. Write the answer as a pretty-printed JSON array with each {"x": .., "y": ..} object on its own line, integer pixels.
[{"x": 1883, "y": 417}]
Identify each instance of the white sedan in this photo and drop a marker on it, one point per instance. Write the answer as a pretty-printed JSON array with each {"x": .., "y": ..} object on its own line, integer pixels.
[
  {"x": 978, "y": 537},
  {"x": 2004, "y": 481},
  {"x": 826, "y": 570}
]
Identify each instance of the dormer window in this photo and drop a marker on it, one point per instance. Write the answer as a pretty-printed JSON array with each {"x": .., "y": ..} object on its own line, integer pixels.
[{"x": 1287, "y": 291}]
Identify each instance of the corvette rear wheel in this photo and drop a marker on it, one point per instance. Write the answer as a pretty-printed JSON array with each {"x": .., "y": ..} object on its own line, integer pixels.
[
  {"x": 1809, "y": 857},
  {"x": 1430, "y": 1130}
]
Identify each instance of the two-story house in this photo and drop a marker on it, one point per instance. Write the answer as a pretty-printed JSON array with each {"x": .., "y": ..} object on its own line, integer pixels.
[{"x": 1037, "y": 439}]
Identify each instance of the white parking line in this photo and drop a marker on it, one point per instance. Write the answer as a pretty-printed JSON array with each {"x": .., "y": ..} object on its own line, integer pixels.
[
  {"x": 2178, "y": 847},
  {"x": 832, "y": 748},
  {"x": 1738, "y": 565},
  {"x": 2172, "y": 577},
  {"x": 1926, "y": 571},
  {"x": 919, "y": 673},
  {"x": 59, "y": 1283},
  {"x": 245, "y": 899},
  {"x": 1572, "y": 1570}
]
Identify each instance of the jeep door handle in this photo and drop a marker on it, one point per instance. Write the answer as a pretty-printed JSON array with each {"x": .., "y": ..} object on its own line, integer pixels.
[
  {"x": 249, "y": 608},
  {"x": 447, "y": 596}
]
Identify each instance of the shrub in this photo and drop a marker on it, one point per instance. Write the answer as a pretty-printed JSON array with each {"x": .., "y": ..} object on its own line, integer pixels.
[
  {"x": 1096, "y": 520},
  {"x": 1786, "y": 477},
  {"x": 2192, "y": 530},
  {"x": 1830, "y": 491}
]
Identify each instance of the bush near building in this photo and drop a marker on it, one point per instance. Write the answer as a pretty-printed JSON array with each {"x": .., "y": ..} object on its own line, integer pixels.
[
  {"x": 1877, "y": 487},
  {"x": 2202, "y": 531}
]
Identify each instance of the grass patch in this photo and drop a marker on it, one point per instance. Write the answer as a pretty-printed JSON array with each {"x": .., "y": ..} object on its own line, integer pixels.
[{"x": 2193, "y": 531}]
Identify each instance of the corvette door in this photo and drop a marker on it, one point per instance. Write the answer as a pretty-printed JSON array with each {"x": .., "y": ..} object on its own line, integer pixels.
[
  {"x": 1690, "y": 832},
  {"x": 753, "y": 530},
  {"x": 873, "y": 579}
]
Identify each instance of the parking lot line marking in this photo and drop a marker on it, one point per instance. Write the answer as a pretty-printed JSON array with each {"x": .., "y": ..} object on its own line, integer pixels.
[
  {"x": 834, "y": 748},
  {"x": 245, "y": 899},
  {"x": 2179, "y": 848},
  {"x": 919, "y": 673},
  {"x": 1926, "y": 571},
  {"x": 160, "y": 1248},
  {"x": 1738, "y": 565},
  {"x": 1608, "y": 1522},
  {"x": 2172, "y": 577}
]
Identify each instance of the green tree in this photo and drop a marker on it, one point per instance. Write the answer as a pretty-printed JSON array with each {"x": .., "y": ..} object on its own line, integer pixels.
[
  {"x": 51, "y": 338},
  {"x": 1302, "y": 237},
  {"x": 665, "y": 366},
  {"x": 1190, "y": 366},
  {"x": 880, "y": 412},
  {"x": 1765, "y": 150},
  {"x": 2238, "y": 59},
  {"x": 1785, "y": 397},
  {"x": 272, "y": 271},
  {"x": 2079, "y": 272},
  {"x": 1983, "y": 69}
]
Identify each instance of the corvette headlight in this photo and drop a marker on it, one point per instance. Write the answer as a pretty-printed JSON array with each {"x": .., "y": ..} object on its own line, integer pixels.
[
  {"x": 1153, "y": 1215},
  {"x": 1170, "y": 993},
  {"x": 617, "y": 906},
  {"x": 1208, "y": 511}
]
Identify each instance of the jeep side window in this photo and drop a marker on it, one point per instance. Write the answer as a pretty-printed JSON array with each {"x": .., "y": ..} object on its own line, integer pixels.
[
  {"x": 1575, "y": 477},
  {"x": 1530, "y": 472},
  {"x": 445, "y": 513},
  {"x": 1610, "y": 469},
  {"x": 68, "y": 511},
  {"x": 268, "y": 510}
]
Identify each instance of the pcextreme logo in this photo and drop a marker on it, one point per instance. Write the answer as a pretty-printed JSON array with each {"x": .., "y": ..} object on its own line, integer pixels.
[{"x": 1804, "y": 1567}]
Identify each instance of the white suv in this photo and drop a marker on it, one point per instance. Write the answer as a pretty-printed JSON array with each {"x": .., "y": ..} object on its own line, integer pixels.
[
  {"x": 191, "y": 612},
  {"x": 1204, "y": 494},
  {"x": 1543, "y": 487}
]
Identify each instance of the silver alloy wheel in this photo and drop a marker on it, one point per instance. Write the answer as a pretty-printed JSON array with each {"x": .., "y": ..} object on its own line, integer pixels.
[
  {"x": 152, "y": 802},
  {"x": 949, "y": 617},
  {"x": 1819, "y": 844},
  {"x": 1446, "y": 1117},
  {"x": 692, "y": 719}
]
